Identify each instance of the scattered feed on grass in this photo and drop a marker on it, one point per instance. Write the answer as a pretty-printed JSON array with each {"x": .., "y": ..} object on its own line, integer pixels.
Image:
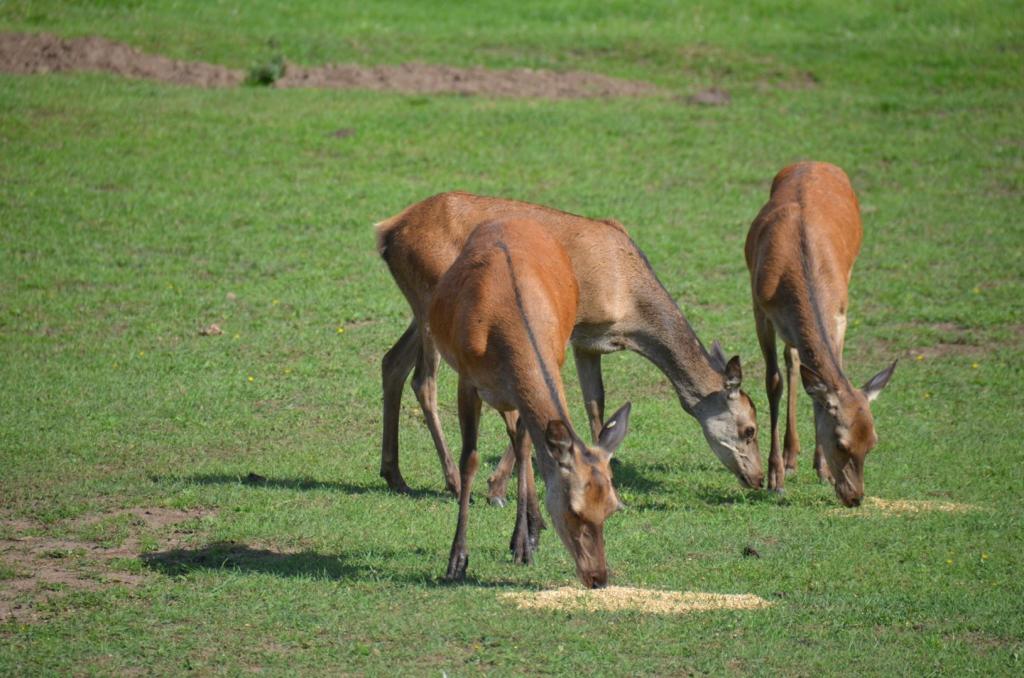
[
  {"x": 903, "y": 507},
  {"x": 623, "y": 598}
]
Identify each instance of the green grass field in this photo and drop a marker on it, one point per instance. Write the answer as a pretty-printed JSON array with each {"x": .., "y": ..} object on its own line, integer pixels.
[{"x": 132, "y": 214}]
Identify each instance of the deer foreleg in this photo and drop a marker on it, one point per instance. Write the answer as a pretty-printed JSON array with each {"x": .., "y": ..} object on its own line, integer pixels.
[
  {"x": 792, "y": 441},
  {"x": 469, "y": 423},
  {"x": 773, "y": 384},
  {"x": 588, "y": 369},
  {"x": 521, "y": 545}
]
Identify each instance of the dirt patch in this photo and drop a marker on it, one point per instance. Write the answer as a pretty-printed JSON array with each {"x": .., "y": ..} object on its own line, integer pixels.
[
  {"x": 713, "y": 96},
  {"x": 904, "y": 507},
  {"x": 417, "y": 78},
  {"x": 46, "y": 53},
  {"x": 38, "y": 566},
  {"x": 621, "y": 598},
  {"x": 924, "y": 341}
]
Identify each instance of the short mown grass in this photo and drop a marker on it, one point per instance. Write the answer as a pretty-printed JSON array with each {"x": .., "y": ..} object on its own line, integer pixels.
[{"x": 134, "y": 214}]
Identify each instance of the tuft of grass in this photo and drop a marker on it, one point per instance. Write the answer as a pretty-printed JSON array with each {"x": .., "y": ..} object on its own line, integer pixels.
[{"x": 266, "y": 72}]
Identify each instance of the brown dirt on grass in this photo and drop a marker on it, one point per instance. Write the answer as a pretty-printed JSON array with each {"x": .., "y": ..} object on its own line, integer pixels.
[
  {"x": 46, "y": 53},
  {"x": 43, "y": 566},
  {"x": 417, "y": 78},
  {"x": 618, "y": 598},
  {"x": 925, "y": 341}
]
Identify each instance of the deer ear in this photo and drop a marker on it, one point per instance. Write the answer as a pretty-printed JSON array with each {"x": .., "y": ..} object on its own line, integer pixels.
[
  {"x": 559, "y": 440},
  {"x": 615, "y": 429},
  {"x": 733, "y": 376},
  {"x": 878, "y": 382},
  {"x": 717, "y": 356}
]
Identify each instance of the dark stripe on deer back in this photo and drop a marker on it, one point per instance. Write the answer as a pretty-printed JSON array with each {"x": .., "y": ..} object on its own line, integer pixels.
[
  {"x": 549, "y": 380},
  {"x": 813, "y": 298}
]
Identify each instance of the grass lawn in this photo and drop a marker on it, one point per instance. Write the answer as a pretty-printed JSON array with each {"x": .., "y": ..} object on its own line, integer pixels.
[{"x": 133, "y": 214}]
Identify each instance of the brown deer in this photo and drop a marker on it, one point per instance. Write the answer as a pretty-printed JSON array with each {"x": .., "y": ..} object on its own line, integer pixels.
[
  {"x": 800, "y": 251},
  {"x": 502, "y": 316},
  {"x": 622, "y": 305}
]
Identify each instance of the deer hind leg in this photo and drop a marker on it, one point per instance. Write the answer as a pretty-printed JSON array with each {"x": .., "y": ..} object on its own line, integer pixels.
[
  {"x": 588, "y": 369},
  {"x": 395, "y": 368},
  {"x": 469, "y": 423},
  {"x": 424, "y": 384},
  {"x": 773, "y": 384},
  {"x": 792, "y": 441},
  {"x": 497, "y": 484}
]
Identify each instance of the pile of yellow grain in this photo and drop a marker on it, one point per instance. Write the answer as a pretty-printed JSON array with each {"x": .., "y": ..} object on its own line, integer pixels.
[
  {"x": 902, "y": 507},
  {"x": 615, "y": 598}
]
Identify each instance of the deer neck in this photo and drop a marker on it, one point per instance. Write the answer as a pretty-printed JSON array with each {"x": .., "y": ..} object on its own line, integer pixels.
[
  {"x": 668, "y": 341},
  {"x": 817, "y": 353}
]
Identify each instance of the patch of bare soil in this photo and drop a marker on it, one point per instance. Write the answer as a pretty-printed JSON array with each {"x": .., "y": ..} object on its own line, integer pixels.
[
  {"x": 417, "y": 78},
  {"x": 904, "y": 507},
  {"x": 713, "y": 96},
  {"x": 923, "y": 341},
  {"x": 39, "y": 566},
  {"x": 46, "y": 53},
  {"x": 618, "y": 598},
  {"x": 956, "y": 340}
]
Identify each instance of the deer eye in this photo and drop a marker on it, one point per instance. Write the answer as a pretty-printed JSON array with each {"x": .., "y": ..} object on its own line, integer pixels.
[{"x": 749, "y": 432}]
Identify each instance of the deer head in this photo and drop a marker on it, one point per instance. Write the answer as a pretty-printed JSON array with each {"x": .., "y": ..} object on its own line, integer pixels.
[
  {"x": 845, "y": 429},
  {"x": 580, "y": 495},
  {"x": 729, "y": 422}
]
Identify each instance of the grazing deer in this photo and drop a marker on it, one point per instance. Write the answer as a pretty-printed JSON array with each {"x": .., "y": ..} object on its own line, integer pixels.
[
  {"x": 502, "y": 316},
  {"x": 800, "y": 251},
  {"x": 622, "y": 305}
]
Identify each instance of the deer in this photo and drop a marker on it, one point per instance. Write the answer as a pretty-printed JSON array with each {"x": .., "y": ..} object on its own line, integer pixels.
[
  {"x": 800, "y": 251},
  {"x": 622, "y": 305},
  {"x": 502, "y": 316}
]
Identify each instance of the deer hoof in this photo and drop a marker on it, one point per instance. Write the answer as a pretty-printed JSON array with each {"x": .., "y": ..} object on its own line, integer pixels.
[
  {"x": 396, "y": 483},
  {"x": 496, "y": 501},
  {"x": 457, "y": 565}
]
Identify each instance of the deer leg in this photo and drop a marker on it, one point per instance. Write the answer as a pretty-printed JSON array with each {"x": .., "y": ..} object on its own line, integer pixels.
[
  {"x": 521, "y": 545},
  {"x": 588, "y": 369},
  {"x": 820, "y": 465},
  {"x": 395, "y": 368},
  {"x": 773, "y": 384},
  {"x": 469, "y": 423},
  {"x": 424, "y": 384},
  {"x": 535, "y": 521},
  {"x": 792, "y": 441},
  {"x": 498, "y": 482}
]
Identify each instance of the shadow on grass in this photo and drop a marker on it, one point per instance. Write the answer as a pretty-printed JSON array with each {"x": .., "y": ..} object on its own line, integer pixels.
[
  {"x": 255, "y": 480},
  {"x": 228, "y": 555},
  {"x": 627, "y": 476},
  {"x": 717, "y": 496},
  {"x": 798, "y": 498}
]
